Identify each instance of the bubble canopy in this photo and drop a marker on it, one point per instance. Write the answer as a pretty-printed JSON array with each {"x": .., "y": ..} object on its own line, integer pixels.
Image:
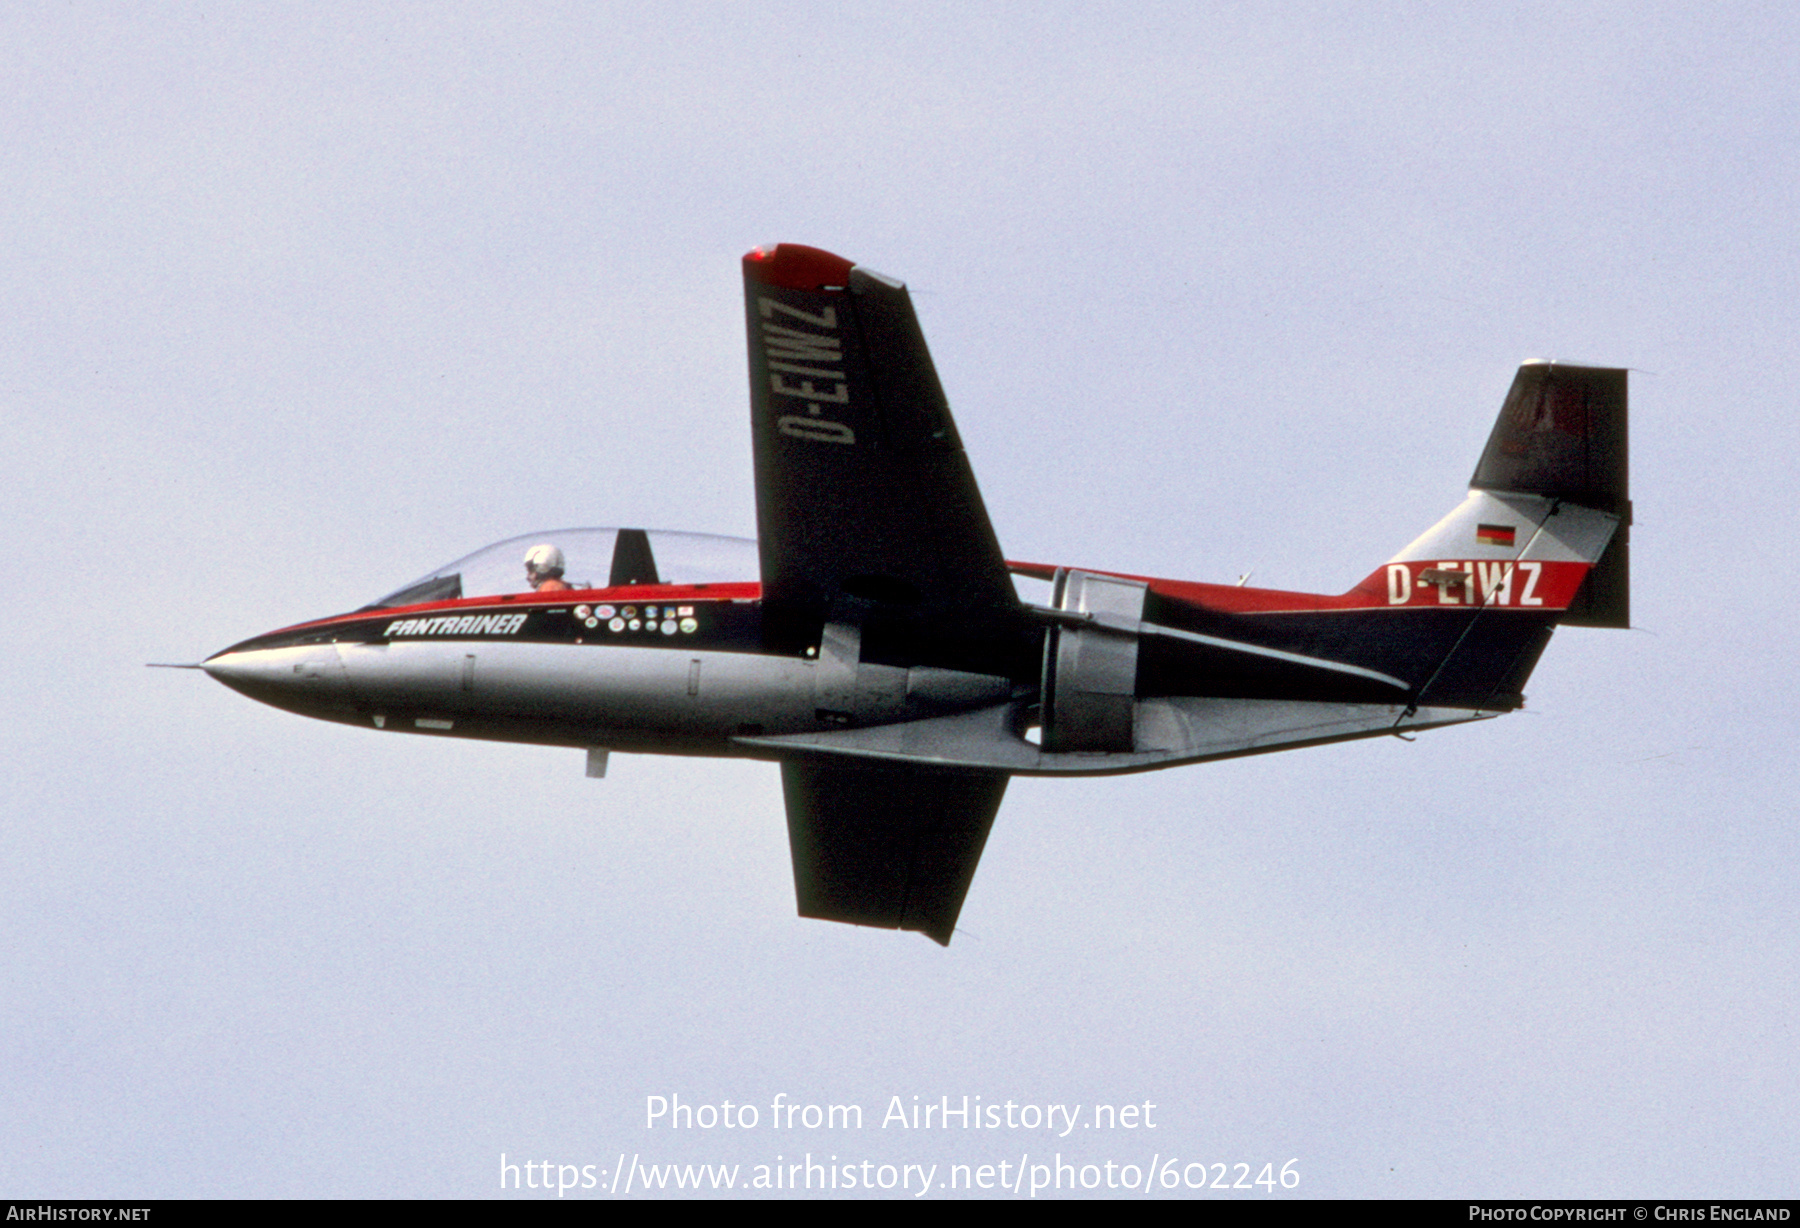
[{"x": 592, "y": 558}]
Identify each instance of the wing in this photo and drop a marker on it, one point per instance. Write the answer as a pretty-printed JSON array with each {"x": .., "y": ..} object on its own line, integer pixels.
[
  {"x": 883, "y": 845},
  {"x": 865, "y": 500},
  {"x": 868, "y": 514}
]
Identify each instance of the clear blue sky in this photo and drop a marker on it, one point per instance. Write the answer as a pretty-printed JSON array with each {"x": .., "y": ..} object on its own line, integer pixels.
[{"x": 300, "y": 301}]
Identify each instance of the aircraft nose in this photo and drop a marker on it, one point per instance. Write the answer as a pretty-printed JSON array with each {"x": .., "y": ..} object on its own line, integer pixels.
[{"x": 301, "y": 679}]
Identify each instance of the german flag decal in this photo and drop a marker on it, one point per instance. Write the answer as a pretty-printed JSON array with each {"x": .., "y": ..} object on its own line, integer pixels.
[{"x": 1493, "y": 535}]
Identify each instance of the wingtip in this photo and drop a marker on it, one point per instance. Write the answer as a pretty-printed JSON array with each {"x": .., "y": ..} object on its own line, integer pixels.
[{"x": 794, "y": 267}]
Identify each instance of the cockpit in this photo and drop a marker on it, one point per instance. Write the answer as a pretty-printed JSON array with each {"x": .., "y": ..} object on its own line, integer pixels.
[{"x": 590, "y": 558}]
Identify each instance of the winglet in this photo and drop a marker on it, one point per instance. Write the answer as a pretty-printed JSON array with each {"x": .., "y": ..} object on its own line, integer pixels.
[{"x": 794, "y": 267}]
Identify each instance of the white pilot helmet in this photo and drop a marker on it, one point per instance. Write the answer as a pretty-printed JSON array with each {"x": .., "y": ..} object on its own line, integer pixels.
[{"x": 544, "y": 560}]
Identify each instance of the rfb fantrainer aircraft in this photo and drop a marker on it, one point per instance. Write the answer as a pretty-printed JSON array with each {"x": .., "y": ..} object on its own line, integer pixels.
[{"x": 872, "y": 642}]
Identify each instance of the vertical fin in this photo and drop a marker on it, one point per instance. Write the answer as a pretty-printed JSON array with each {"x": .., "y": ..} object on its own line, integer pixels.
[{"x": 1563, "y": 433}]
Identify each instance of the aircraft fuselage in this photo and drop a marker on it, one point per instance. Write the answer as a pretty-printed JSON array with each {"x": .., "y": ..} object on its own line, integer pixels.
[
  {"x": 660, "y": 669},
  {"x": 1138, "y": 673}
]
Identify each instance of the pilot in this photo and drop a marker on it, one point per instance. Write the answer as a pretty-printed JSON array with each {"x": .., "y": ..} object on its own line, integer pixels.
[{"x": 544, "y": 569}]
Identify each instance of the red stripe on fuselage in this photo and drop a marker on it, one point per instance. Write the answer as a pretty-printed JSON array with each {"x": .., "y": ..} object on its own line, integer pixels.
[
  {"x": 1533, "y": 586},
  {"x": 639, "y": 593}
]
